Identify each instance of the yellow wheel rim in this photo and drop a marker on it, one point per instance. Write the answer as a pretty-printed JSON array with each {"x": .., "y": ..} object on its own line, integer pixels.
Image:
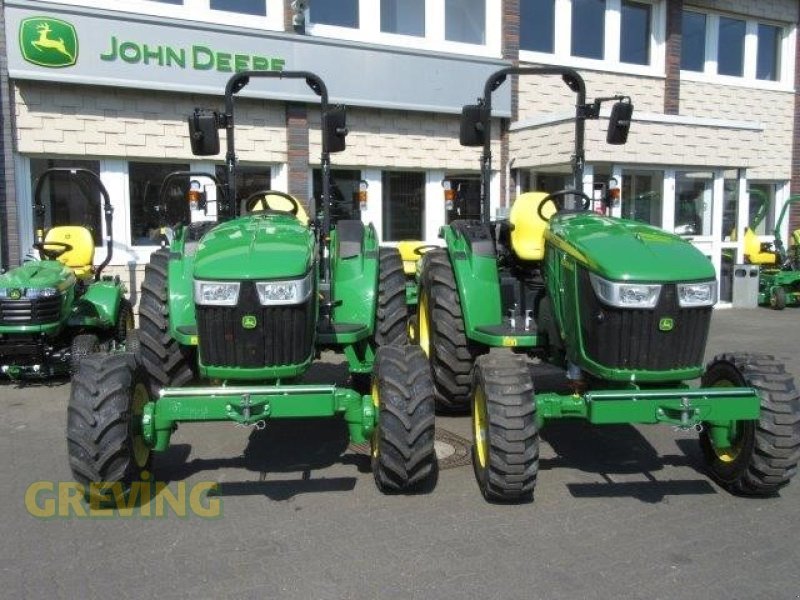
[
  {"x": 728, "y": 455},
  {"x": 480, "y": 427},
  {"x": 423, "y": 327},
  {"x": 141, "y": 451},
  {"x": 376, "y": 402},
  {"x": 129, "y": 322}
]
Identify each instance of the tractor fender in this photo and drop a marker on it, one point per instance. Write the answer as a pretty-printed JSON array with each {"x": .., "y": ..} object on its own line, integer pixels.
[{"x": 98, "y": 306}]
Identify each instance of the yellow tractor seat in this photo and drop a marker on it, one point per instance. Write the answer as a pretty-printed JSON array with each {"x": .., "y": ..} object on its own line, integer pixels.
[
  {"x": 81, "y": 257},
  {"x": 408, "y": 253},
  {"x": 753, "y": 251},
  {"x": 796, "y": 237},
  {"x": 527, "y": 227},
  {"x": 280, "y": 204}
]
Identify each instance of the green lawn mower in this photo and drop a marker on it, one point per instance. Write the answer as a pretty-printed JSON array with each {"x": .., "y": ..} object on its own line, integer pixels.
[
  {"x": 233, "y": 314},
  {"x": 58, "y": 309},
  {"x": 621, "y": 308},
  {"x": 779, "y": 269}
]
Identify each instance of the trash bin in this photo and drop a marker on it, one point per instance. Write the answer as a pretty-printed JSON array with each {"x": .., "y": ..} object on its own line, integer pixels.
[{"x": 745, "y": 286}]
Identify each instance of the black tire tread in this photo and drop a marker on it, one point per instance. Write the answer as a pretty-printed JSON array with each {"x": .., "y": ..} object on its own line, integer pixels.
[
  {"x": 391, "y": 312},
  {"x": 776, "y": 451},
  {"x": 513, "y": 457},
  {"x": 405, "y": 430},
  {"x": 82, "y": 345},
  {"x": 166, "y": 361},
  {"x": 99, "y": 440},
  {"x": 452, "y": 355}
]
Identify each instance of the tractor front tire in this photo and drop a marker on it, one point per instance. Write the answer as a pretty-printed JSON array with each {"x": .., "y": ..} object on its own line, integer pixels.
[
  {"x": 106, "y": 450},
  {"x": 440, "y": 333},
  {"x": 765, "y": 452},
  {"x": 403, "y": 457},
  {"x": 82, "y": 345},
  {"x": 505, "y": 451},
  {"x": 167, "y": 363},
  {"x": 392, "y": 312}
]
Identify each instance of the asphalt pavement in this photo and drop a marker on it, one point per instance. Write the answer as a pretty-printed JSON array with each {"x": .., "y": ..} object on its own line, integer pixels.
[{"x": 619, "y": 512}]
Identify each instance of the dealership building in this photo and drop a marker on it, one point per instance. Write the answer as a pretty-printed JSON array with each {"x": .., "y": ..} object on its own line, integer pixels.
[{"x": 108, "y": 86}]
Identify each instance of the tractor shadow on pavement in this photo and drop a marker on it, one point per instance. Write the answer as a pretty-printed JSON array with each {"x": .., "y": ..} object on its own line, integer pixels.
[
  {"x": 623, "y": 458},
  {"x": 293, "y": 446}
]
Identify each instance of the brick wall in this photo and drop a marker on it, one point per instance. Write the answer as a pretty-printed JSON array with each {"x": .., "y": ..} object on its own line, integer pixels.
[
  {"x": 672, "y": 83},
  {"x": 104, "y": 122},
  {"x": 9, "y": 226},
  {"x": 763, "y": 9},
  {"x": 297, "y": 149},
  {"x": 794, "y": 215}
]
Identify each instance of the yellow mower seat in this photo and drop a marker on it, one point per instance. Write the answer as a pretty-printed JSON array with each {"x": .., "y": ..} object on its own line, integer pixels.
[
  {"x": 753, "y": 252},
  {"x": 527, "y": 227},
  {"x": 81, "y": 258},
  {"x": 408, "y": 253},
  {"x": 280, "y": 204}
]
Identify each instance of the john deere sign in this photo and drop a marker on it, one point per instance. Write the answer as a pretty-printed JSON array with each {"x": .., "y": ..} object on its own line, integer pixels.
[
  {"x": 144, "y": 52},
  {"x": 48, "y": 42}
]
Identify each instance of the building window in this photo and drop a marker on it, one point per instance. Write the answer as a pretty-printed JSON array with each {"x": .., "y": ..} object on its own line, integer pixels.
[
  {"x": 768, "y": 57},
  {"x": 588, "y": 28},
  {"x": 537, "y": 25},
  {"x": 693, "y": 49},
  {"x": 147, "y": 215},
  {"x": 66, "y": 202},
  {"x": 465, "y": 21},
  {"x": 403, "y": 205},
  {"x": 762, "y": 207},
  {"x": 730, "y": 204},
  {"x": 635, "y": 33},
  {"x": 245, "y": 7},
  {"x": 344, "y": 185},
  {"x": 249, "y": 179},
  {"x": 694, "y": 198},
  {"x": 406, "y": 17},
  {"x": 467, "y": 203},
  {"x": 342, "y": 13},
  {"x": 730, "y": 50},
  {"x": 642, "y": 193}
]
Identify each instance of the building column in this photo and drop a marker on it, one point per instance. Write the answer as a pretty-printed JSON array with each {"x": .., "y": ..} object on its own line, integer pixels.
[
  {"x": 672, "y": 83},
  {"x": 297, "y": 151},
  {"x": 510, "y": 46},
  {"x": 794, "y": 214},
  {"x": 9, "y": 219}
]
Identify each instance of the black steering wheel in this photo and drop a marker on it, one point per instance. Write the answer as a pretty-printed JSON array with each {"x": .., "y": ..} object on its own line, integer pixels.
[
  {"x": 260, "y": 197},
  {"x": 420, "y": 250},
  {"x": 557, "y": 199},
  {"x": 53, "y": 253}
]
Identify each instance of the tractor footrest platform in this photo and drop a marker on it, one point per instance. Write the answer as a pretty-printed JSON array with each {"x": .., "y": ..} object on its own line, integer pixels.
[{"x": 331, "y": 333}]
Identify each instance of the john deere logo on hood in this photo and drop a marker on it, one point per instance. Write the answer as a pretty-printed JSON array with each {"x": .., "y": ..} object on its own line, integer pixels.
[
  {"x": 249, "y": 322},
  {"x": 48, "y": 42},
  {"x": 666, "y": 324}
]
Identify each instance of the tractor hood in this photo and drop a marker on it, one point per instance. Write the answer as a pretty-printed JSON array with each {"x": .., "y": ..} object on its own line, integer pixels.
[
  {"x": 622, "y": 250},
  {"x": 268, "y": 246},
  {"x": 38, "y": 274}
]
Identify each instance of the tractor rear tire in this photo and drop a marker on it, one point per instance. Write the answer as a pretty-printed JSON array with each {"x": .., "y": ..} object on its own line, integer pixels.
[
  {"x": 777, "y": 299},
  {"x": 392, "y": 312},
  {"x": 167, "y": 363},
  {"x": 403, "y": 457},
  {"x": 766, "y": 452},
  {"x": 440, "y": 333},
  {"x": 106, "y": 451},
  {"x": 505, "y": 452},
  {"x": 83, "y": 345}
]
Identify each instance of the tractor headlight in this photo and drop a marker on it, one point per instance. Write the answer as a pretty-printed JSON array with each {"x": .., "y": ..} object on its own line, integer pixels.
[
  {"x": 697, "y": 294},
  {"x": 292, "y": 291},
  {"x": 216, "y": 293},
  {"x": 625, "y": 295}
]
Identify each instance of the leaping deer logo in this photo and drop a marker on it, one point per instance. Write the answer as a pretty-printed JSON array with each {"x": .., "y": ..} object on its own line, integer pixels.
[
  {"x": 48, "y": 42},
  {"x": 45, "y": 43}
]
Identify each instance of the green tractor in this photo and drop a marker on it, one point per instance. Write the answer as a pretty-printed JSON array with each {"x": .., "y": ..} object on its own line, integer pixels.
[
  {"x": 621, "y": 308},
  {"x": 59, "y": 308},
  {"x": 779, "y": 269},
  {"x": 233, "y": 314}
]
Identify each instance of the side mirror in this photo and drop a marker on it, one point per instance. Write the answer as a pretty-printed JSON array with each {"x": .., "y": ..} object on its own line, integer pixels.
[
  {"x": 619, "y": 123},
  {"x": 203, "y": 133},
  {"x": 334, "y": 128},
  {"x": 472, "y": 128}
]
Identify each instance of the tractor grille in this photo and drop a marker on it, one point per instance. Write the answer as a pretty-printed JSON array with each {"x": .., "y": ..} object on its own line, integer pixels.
[
  {"x": 631, "y": 338},
  {"x": 283, "y": 334},
  {"x": 37, "y": 311}
]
